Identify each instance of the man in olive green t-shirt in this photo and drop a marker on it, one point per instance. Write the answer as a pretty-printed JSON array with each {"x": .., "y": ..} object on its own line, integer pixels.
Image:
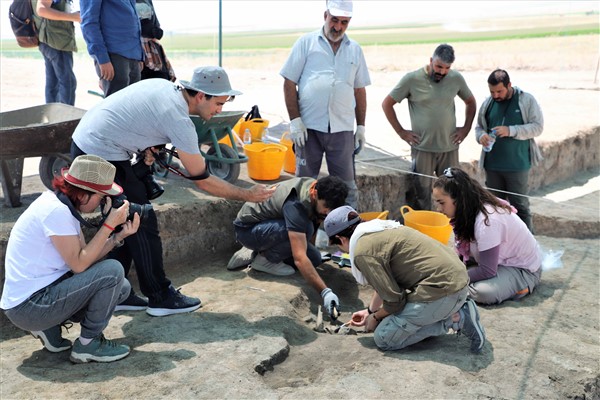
[{"x": 434, "y": 137}]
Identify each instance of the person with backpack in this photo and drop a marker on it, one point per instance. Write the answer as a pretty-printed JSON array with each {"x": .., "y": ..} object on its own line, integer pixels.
[{"x": 56, "y": 34}]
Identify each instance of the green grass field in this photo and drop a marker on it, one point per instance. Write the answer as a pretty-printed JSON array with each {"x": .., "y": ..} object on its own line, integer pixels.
[{"x": 515, "y": 28}]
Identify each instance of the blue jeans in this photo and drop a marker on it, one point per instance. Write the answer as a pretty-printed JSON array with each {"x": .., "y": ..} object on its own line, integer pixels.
[
  {"x": 270, "y": 238},
  {"x": 89, "y": 298},
  {"x": 60, "y": 78},
  {"x": 127, "y": 72}
]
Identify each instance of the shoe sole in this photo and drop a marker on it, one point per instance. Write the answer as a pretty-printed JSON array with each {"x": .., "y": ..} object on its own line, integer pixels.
[
  {"x": 474, "y": 316},
  {"x": 130, "y": 308},
  {"x": 82, "y": 358},
  {"x": 163, "y": 312},
  {"x": 42, "y": 338}
]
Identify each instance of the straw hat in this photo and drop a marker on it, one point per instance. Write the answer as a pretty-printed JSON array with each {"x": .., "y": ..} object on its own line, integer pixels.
[{"x": 94, "y": 174}]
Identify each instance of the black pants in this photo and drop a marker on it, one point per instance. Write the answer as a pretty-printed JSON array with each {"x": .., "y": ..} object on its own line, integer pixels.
[{"x": 144, "y": 247}]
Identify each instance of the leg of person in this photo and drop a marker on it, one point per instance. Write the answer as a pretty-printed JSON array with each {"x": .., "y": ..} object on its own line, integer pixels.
[
  {"x": 495, "y": 180},
  {"x": 310, "y": 157},
  {"x": 51, "y": 89},
  {"x": 271, "y": 241},
  {"x": 423, "y": 168},
  {"x": 445, "y": 160},
  {"x": 418, "y": 321},
  {"x": 339, "y": 154},
  {"x": 122, "y": 68},
  {"x": 518, "y": 182},
  {"x": 509, "y": 283},
  {"x": 92, "y": 294},
  {"x": 135, "y": 71},
  {"x": 67, "y": 82},
  {"x": 470, "y": 325},
  {"x": 145, "y": 247}
]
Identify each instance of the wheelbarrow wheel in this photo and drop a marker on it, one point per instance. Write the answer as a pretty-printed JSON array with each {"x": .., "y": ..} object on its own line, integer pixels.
[
  {"x": 50, "y": 167},
  {"x": 225, "y": 171}
]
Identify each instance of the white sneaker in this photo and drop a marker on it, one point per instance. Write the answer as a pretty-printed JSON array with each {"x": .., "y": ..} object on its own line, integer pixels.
[
  {"x": 241, "y": 258},
  {"x": 261, "y": 264}
]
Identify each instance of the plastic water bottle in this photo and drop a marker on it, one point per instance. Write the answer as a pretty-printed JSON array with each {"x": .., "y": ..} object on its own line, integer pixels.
[
  {"x": 492, "y": 136},
  {"x": 264, "y": 135},
  {"x": 247, "y": 136}
]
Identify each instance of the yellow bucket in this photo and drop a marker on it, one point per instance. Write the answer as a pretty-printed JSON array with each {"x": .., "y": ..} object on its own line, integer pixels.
[
  {"x": 236, "y": 131},
  {"x": 289, "y": 162},
  {"x": 256, "y": 126},
  {"x": 265, "y": 160},
  {"x": 433, "y": 224},
  {"x": 368, "y": 216}
]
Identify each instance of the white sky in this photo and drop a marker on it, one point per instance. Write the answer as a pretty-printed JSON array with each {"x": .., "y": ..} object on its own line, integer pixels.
[{"x": 202, "y": 16}]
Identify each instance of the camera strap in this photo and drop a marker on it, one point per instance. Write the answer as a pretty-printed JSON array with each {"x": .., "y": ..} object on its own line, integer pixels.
[
  {"x": 67, "y": 202},
  {"x": 176, "y": 170}
]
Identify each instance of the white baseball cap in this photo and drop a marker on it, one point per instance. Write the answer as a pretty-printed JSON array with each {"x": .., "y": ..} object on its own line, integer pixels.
[{"x": 340, "y": 8}]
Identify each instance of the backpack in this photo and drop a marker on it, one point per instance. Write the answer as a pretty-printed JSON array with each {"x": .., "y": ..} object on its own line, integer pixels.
[{"x": 20, "y": 14}]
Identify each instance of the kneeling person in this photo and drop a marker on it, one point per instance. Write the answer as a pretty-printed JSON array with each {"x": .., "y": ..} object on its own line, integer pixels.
[
  {"x": 279, "y": 231},
  {"x": 420, "y": 285}
]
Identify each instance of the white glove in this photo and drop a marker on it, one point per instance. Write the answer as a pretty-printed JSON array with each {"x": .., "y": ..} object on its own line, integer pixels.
[
  {"x": 298, "y": 132},
  {"x": 359, "y": 138},
  {"x": 330, "y": 301}
]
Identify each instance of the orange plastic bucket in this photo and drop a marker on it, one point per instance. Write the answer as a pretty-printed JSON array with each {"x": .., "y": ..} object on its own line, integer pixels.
[
  {"x": 265, "y": 160},
  {"x": 370, "y": 215},
  {"x": 289, "y": 162},
  {"x": 256, "y": 126},
  {"x": 433, "y": 224}
]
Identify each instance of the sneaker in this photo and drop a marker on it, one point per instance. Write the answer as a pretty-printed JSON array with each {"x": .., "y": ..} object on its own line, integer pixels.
[
  {"x": 132, "y": 303},
  {"x": 52, "y": 339},
  {"x": 471, "y": 326},
  {"x": 100, "y": 350},
  {"x": 261, "y": 264},
  {"x": 175, "y": 303},
  {"x": 241, "y": 258}
]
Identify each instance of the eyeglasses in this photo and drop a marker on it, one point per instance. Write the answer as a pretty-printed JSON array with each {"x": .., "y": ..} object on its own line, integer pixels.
[{"x": 448, "y": 173}]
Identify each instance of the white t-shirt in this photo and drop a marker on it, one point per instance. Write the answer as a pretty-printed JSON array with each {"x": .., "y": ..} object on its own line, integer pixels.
[
  {"x": 148, "y": 113},
  {"x": 518, "y": 247},
  {"x": 32, "y": 261}
]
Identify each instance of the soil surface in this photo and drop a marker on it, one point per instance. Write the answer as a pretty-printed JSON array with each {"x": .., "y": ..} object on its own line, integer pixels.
[{"x": 254, "y": 337}]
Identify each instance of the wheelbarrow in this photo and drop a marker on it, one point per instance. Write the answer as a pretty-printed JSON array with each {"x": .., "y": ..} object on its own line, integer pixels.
[
  {"x": 222, "y": 160},
  {"x": 44, "y": 131}
]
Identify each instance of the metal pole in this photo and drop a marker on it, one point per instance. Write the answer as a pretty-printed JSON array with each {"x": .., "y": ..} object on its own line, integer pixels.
[{"x": 220, "y": 33}]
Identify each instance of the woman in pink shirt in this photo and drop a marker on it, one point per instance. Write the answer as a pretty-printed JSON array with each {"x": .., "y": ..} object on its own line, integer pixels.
[{"x": 489, "y": 235}]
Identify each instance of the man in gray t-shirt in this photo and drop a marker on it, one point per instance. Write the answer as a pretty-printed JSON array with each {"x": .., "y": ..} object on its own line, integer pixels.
[
  {"x": 434, "y": 137},
  {"x": 150, "y": 113}
]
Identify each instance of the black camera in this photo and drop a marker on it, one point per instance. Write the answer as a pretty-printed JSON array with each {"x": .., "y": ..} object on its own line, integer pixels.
[
  {"x": 145, "y": 174},
  {"x": 118, "y": 201}
]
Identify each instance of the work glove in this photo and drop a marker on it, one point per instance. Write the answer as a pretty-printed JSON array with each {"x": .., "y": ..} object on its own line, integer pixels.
[
  {"x": 359, "y": 139},
  {"x": 298, "y": 132},
  {"x": 331, "y": 303}
]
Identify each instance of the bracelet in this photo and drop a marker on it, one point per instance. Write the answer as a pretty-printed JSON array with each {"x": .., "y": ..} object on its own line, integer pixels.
[
  {"x": 369, "y": 310},
  {"x": 108, "y": 226}
]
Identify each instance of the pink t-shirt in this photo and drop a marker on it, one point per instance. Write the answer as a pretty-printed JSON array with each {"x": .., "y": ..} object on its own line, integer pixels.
[{"x": 518, "y": 247}]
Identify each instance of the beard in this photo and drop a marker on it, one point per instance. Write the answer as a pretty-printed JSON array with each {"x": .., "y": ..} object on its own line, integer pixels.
[
  {"x": 333, "y": 35},
  {"x": 437, "y": 77}
]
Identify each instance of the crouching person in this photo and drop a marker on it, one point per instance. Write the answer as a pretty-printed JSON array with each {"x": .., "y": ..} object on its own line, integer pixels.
[
  {"x": 280, "y": 231},
  {"x": 54, "y": 276},
  {"x": 420, "y": 285}
]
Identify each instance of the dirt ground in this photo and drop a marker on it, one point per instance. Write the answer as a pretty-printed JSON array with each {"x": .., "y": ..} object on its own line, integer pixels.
[{"x": 254, "y": 336}]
